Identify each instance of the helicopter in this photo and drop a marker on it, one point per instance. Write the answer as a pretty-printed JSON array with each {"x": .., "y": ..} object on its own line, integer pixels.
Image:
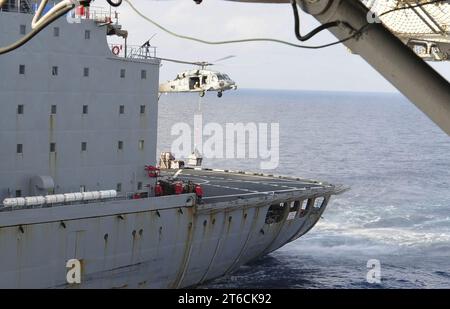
[{"x": 199, "y": 80}]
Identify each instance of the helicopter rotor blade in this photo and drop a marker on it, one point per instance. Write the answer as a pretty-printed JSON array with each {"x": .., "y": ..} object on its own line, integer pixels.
[
  {"x": 197, "y": 63},
  {"x": 203, "y": 64},
  {"x": 224, "y": 58},
  {"x": 178, "y": 61}
]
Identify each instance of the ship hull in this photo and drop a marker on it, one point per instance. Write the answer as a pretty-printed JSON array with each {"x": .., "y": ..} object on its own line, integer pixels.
[{"x": 165, "y": 242}]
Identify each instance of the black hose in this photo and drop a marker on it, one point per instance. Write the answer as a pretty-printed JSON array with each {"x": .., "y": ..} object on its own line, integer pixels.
[
  {"x": 114, "y": 4},
  {"x": 313, "y": 32},
  {"x": 34, "y": 32}
]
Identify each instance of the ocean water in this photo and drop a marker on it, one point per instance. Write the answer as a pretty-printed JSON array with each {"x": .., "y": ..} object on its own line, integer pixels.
[{"x": 396, "y": 161}]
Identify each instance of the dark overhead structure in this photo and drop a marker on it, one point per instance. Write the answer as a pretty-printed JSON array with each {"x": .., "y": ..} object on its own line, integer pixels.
[{"x": 386, "y": 51}]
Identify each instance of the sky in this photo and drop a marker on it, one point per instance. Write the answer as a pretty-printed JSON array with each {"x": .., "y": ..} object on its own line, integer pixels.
[{"x": 256, "y": 65}]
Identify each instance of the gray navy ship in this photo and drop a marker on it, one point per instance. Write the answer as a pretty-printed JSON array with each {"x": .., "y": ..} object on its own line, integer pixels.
[{"x": 78, "y": 130}]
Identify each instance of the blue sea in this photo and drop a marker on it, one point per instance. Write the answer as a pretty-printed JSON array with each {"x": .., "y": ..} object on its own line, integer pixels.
[{"x": 396, "y": 161}]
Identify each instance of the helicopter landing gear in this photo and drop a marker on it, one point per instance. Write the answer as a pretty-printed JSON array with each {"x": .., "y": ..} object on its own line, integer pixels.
[
  {"x": 220, "y": 94},
  {"x": 202, "y": 94}
]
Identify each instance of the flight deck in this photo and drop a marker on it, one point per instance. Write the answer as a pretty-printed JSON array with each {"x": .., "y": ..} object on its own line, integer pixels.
[{"x": 223, "y": 185}]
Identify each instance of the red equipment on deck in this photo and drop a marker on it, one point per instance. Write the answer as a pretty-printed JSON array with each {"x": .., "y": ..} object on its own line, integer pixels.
[
  {"x": 152, "y": 171},
  {"x": 199, "y": 192},
  {"x": 178, "y": 187},
  {"x": 159, "y": 190}
]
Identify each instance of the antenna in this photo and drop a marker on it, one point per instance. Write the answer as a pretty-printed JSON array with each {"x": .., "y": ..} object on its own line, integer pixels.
[{"x": 147, "y": 43}]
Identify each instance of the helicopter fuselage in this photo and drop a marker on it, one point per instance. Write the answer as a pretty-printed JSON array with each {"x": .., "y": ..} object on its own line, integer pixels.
[{"x": 199, "y": 81}]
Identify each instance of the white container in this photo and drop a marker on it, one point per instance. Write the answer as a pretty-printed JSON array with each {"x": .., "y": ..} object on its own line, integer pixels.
[
  {"x": 9, "y": 202},
  {"x": 34, "y": 200},
  {"x": 96, "y": 195},
  {"x": 20, "y": 201},
  {"x": 78, "y": 196},
  {"x": 113, "y": 193},
  {"x": 88, "y": 196},
  {"x": 59, "y": 198},
  {"x": 13, "y": 202},
  {"x": 108, "y": 194},
  {"x": 69, "y": 197},
  {"x": 53, "y": 199}
]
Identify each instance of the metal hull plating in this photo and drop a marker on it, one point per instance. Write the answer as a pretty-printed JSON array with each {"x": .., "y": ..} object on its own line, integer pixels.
[{"x": 164, "y": 242}]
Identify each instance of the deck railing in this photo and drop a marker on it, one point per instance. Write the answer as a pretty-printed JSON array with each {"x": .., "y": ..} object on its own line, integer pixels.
[
  {"x": 134, "y": 51},
  {"x": 96, "y": 13}
]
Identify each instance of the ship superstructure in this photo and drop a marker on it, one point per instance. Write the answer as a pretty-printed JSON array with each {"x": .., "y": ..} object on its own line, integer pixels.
[{"x": 78, "y": 131}]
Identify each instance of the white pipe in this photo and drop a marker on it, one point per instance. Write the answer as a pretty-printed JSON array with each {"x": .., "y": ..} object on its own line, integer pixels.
[
  {"x": 37, "y": 19},
  {"x": 59, "y": 198}
]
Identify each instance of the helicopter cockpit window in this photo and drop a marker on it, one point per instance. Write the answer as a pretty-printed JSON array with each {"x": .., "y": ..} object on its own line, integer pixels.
[{"x": 204, "y": 79}]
